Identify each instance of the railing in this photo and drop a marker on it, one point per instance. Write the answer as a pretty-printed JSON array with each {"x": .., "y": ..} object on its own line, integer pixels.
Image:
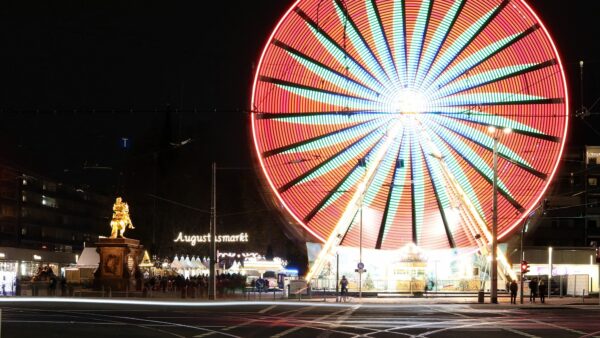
[{"x": 411, "y": 286}]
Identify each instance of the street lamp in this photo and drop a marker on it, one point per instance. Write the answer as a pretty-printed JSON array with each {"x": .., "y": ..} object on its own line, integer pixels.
[
  {"x": 361, "y": 265},
  {"x": 494, "y": 273}
]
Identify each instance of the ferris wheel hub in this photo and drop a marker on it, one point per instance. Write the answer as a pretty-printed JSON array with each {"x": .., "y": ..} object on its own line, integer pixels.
[{"x": 409, "y": 101}]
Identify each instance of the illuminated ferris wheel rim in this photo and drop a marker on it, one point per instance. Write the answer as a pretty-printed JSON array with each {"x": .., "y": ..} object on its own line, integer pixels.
[{"x": 406, "y": 101}]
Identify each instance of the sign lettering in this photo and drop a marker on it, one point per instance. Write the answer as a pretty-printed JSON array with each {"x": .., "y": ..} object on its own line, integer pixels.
[{"x": 195, "y": 239}]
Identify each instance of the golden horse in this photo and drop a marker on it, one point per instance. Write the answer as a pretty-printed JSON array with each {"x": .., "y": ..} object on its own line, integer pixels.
[{"x": 120, "y": 220}]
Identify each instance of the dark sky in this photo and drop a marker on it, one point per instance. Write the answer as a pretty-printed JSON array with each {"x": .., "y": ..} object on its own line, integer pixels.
[
  {"x": 147, "y": 56},
  {"x": 71, "y": 72}
]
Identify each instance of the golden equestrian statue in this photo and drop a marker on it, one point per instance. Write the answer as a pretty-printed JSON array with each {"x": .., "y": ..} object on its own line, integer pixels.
[{"x": 120, "y": 219}]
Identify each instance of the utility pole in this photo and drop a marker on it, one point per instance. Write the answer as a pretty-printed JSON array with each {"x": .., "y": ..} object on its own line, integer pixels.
[
  {"x": 337, "y": 277},
  {"x": 494, "y": 273},
  {"x": 213, "y": 236}
]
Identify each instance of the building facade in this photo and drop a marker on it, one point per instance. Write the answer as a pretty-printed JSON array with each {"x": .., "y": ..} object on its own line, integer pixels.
[
  {"x": 44, "y": 222},
  {"x": 569, "y": 215}
]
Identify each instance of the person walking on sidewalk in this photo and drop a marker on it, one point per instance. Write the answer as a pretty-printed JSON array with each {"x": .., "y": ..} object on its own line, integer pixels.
[
  {"x": 542, "y": 288},
  {"x": 344, "y": 285},
  {"x": 513, "y": 291}
]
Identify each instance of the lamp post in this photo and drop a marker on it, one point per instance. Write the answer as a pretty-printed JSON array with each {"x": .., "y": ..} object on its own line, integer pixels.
[
  {"x": 522, "y": 256},
  {"x": 360, "y": 246},
  {"x": 360, "y": 249},
  {"x": 363, "y": 163},
  {"x": 549, "y": 270},
  {"x": 494, "y": 273}
]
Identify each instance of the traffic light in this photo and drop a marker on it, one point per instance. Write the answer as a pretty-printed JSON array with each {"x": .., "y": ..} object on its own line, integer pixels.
[{"x": 524, "y": 267}]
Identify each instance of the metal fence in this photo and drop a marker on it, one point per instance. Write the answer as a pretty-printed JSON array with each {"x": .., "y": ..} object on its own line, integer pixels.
[{"x": 411, "y": 286}]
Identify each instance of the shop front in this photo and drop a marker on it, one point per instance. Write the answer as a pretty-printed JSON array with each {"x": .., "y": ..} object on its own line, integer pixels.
[
  {"x": 18, "y": 264},
  {"x": 407, "y": 270}
]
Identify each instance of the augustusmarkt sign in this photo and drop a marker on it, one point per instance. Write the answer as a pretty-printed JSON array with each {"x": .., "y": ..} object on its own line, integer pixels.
[{"x": 193, "y": 239}]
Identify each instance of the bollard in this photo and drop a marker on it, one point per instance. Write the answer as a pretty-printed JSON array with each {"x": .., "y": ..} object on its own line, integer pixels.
[
  {"x": 102, "y": 291},
  {"x": 109, "y": 292},
  {"x": 560, "y": 278},
  {"x": 480, "y": 296}
]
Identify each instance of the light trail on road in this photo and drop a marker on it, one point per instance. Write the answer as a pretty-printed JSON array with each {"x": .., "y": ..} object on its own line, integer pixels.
[{"x": 92, "y": 319}]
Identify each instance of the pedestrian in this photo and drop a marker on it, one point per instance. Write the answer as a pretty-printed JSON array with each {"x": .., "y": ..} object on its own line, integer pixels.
[
  {"x": 513, "y": 291},
  {"x": 533, "y": 289},
  {"x": 344, "y": 287},
  {"x": 52, "y": 286},
  {"x": 542, "y": 288},
  {"x": 63, "y": 286}
]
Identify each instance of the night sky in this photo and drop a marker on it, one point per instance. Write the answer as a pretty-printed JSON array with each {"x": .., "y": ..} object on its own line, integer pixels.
[{"x": 77, "y": 76}]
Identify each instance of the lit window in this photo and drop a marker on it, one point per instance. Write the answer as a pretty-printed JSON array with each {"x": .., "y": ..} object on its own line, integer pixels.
[
  {"x": 593, "y": 181},
  {"x": 49, "y": 201}
]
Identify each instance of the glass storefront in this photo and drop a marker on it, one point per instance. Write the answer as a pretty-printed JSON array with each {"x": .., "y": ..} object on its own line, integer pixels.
[
  {"x": 8, "y": 277},
  {"x": 409, "y": 269}
]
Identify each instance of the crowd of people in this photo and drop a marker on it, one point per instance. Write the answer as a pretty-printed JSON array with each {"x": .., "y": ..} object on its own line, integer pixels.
[
  {"x": 196, "y": 285},
  {"x": 536, "y": 288},
  {"x": 46, "y": 274}
]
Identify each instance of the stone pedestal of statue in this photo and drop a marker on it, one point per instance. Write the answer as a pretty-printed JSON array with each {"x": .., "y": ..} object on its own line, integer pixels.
[{"x": 118, "y": 268}]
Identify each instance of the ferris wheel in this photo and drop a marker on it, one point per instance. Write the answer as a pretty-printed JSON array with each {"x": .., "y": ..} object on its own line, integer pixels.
[{"x": 375, "y": 121}]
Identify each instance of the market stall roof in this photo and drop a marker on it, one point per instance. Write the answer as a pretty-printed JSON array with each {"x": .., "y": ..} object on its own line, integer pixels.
[
  {"x": 235, "y": 267},
  {"x": 187, "y": 263},
  {"x": 262, "y": 265},
  {"x": 146, "y": 260},
  {"x": 89, "y": 258},
  {"x": 176, "y": 264},
  {"x": 201, "y": 265}
]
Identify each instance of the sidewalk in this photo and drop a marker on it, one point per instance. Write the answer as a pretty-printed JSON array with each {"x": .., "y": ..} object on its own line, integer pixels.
[
  {"x": 550, "y": 302},
  {"x": 504, "y": 302}
]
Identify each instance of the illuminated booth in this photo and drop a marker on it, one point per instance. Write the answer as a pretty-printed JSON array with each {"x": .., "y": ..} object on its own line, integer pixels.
[{"x": 408, "y": 270}]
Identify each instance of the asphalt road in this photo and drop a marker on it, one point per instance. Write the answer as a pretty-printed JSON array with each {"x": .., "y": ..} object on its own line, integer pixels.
[{"x": 88, "y": 320}]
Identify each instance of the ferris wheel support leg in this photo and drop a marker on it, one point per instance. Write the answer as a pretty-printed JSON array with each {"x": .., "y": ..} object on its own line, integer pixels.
[{"x": 335, "y": 239}]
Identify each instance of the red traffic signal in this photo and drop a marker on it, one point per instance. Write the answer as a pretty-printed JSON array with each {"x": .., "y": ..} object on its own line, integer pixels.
[{"x": 524, "y": 267}]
